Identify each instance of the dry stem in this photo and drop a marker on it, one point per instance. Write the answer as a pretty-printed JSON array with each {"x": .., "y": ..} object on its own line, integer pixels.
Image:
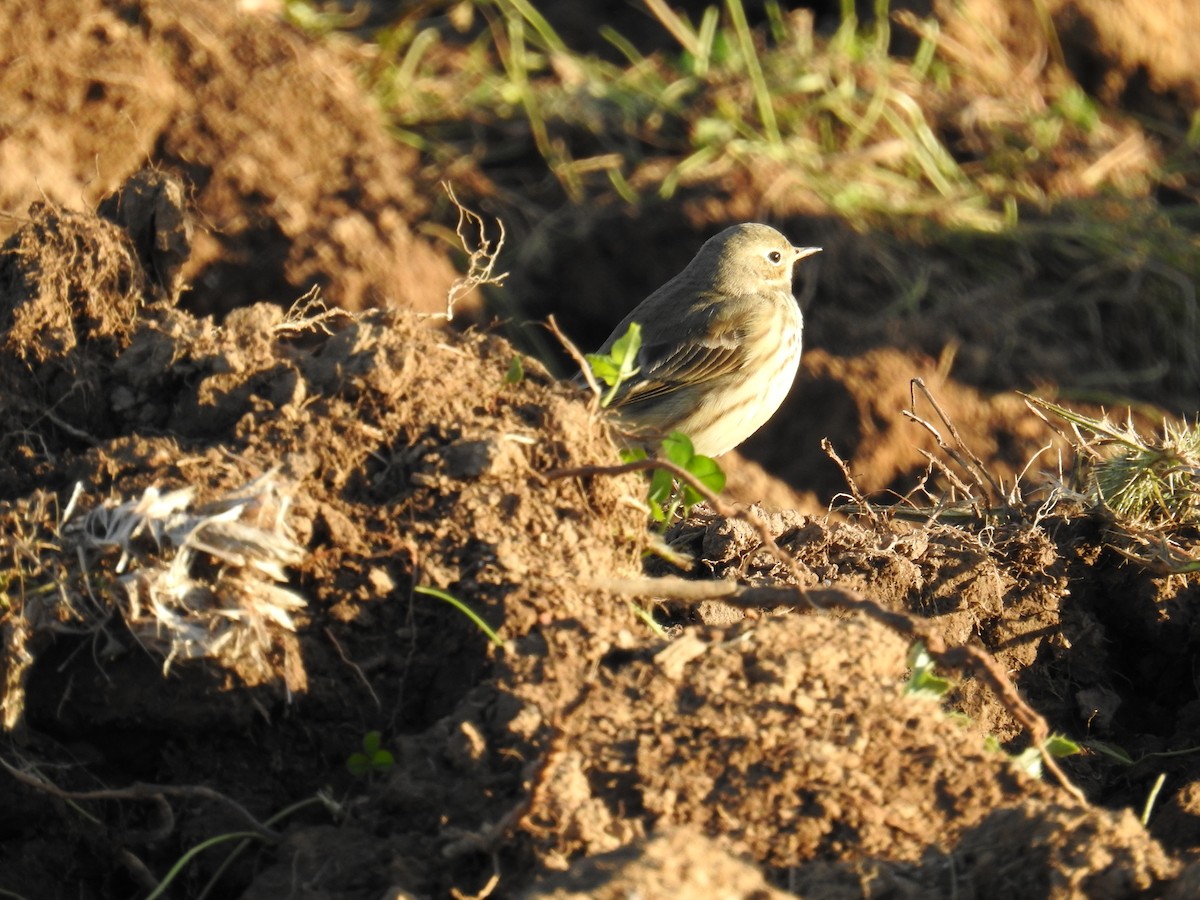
[
  {"x": 972, "y": 464},
  {"x": 154, "y": 793},
  {"x": 481, "y": 261},
  {"x": 580, "y": 359},
  {"x": 309, "y": 313}
]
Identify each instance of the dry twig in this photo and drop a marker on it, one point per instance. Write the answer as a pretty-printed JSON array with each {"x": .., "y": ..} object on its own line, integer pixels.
[
  {"x": 584, "y": 369},
  {"x": 971, "y": 464},
  {"x": 309, "y": 313},
  {"x": 481, "y": 254},
  {"x": 153, "y": 793},
  {"x": 856, "y": 494}
]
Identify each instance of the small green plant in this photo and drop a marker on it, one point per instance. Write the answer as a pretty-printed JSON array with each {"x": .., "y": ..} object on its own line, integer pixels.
[
  {"x": 619, "y": 364},
  {"x": 464, "y": 609},
  {"x": 923, "y": 681},
  {"x": 1078, "y": 108},
  {"x": 372, "y": 759},
  {"x": 1029, "y": 760},
  {"x": 1147, "y": 482},
  {"x": 1059, "y": 745},
  {"x": 665, "y": 496},
  {"x": 648, "y": 619},
  {"x": 516, "y": 370},
  {"x": 246, "y": 839}
]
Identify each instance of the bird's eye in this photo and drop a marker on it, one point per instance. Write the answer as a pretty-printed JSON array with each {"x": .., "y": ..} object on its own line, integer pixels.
[{"x": 775, "y": 256}]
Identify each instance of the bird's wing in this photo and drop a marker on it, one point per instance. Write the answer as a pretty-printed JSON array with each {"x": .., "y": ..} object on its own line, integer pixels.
[{"x": 671, "y": 364}]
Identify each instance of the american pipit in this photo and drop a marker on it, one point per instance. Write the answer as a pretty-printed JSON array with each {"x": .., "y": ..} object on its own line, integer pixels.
[{"x": 720, "y": 343}]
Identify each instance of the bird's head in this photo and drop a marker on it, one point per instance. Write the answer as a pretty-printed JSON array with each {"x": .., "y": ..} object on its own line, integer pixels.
[{"x": 749, "y": 257}]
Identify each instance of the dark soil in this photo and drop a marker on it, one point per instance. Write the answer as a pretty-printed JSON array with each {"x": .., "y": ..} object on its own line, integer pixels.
[{"x": 216, "y": 516}]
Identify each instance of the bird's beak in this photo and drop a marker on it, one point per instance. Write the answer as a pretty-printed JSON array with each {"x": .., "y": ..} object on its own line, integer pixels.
[{"x": 805, "y": 252}]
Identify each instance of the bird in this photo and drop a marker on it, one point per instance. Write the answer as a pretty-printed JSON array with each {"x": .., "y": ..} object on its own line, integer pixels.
[{"x": 720, "y": 343}]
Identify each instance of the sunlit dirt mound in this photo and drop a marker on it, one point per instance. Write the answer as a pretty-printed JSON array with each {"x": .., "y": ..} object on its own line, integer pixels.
[
  {"x": 394, "y": 457},
  {"x": 1124, "y": 52},
  {"x": 293, "y": 177}
]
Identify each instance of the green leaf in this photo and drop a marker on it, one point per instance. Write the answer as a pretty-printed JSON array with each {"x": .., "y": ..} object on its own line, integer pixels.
[
  {"x": 708, "y": 472},
  {"x": 662, "y": 483},
  {"x": 635, "y": 454},
  {"x": 625, "y": 348},
  {"x": 462, "y": 608},
  {"x": 1112, "y": 751},
  {"x": 619, "y": 364},
  {"x": 1059, "y": 745},
  {"x": 604, "y": 368},
  {"x": 371, "y": 743},
  {"x": 1029, "y": 761},
  {"x": 382, "y": 760},
  {"x": 516, "y": 371},
  {"x": 924, "y": 680},
  {"x": 358, "y": 764},
  {"x": 677, "y": 447}
]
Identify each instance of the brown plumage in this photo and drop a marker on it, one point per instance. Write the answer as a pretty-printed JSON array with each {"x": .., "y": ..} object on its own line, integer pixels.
[{"x": 720, "y": 343}]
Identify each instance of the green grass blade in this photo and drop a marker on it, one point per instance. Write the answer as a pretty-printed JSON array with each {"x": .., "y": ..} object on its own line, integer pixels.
[
  {"x": 200, "y": 848},
  {"x": 464, "y": 609},
  {"x": 762, "y": 96}
]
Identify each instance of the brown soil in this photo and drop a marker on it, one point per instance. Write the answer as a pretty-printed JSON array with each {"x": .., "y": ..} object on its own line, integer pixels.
[
  {"x": 193, "y": 665},
  {"x": 291, "y": 175}
]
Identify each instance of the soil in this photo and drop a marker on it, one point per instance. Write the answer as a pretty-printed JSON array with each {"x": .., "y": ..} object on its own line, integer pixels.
[{"x": 220, "y": 520}]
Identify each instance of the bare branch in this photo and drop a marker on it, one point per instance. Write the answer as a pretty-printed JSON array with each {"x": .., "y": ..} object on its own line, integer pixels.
[
  {"x": 993, "y": 493},
  {"x": 153, "y": 793},
  {"x": 481, "y": 254},
  {"x": 309, "y": 313},
  {"x": 856, "y": 494},
  {"x": 580, "y": 359}
]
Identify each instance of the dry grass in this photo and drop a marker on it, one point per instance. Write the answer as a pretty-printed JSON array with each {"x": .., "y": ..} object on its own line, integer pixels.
[
  {"x": 188, "y": 580},
  {"x": 962, "y": 133},
  {"x": 1147, "y": 488}
]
